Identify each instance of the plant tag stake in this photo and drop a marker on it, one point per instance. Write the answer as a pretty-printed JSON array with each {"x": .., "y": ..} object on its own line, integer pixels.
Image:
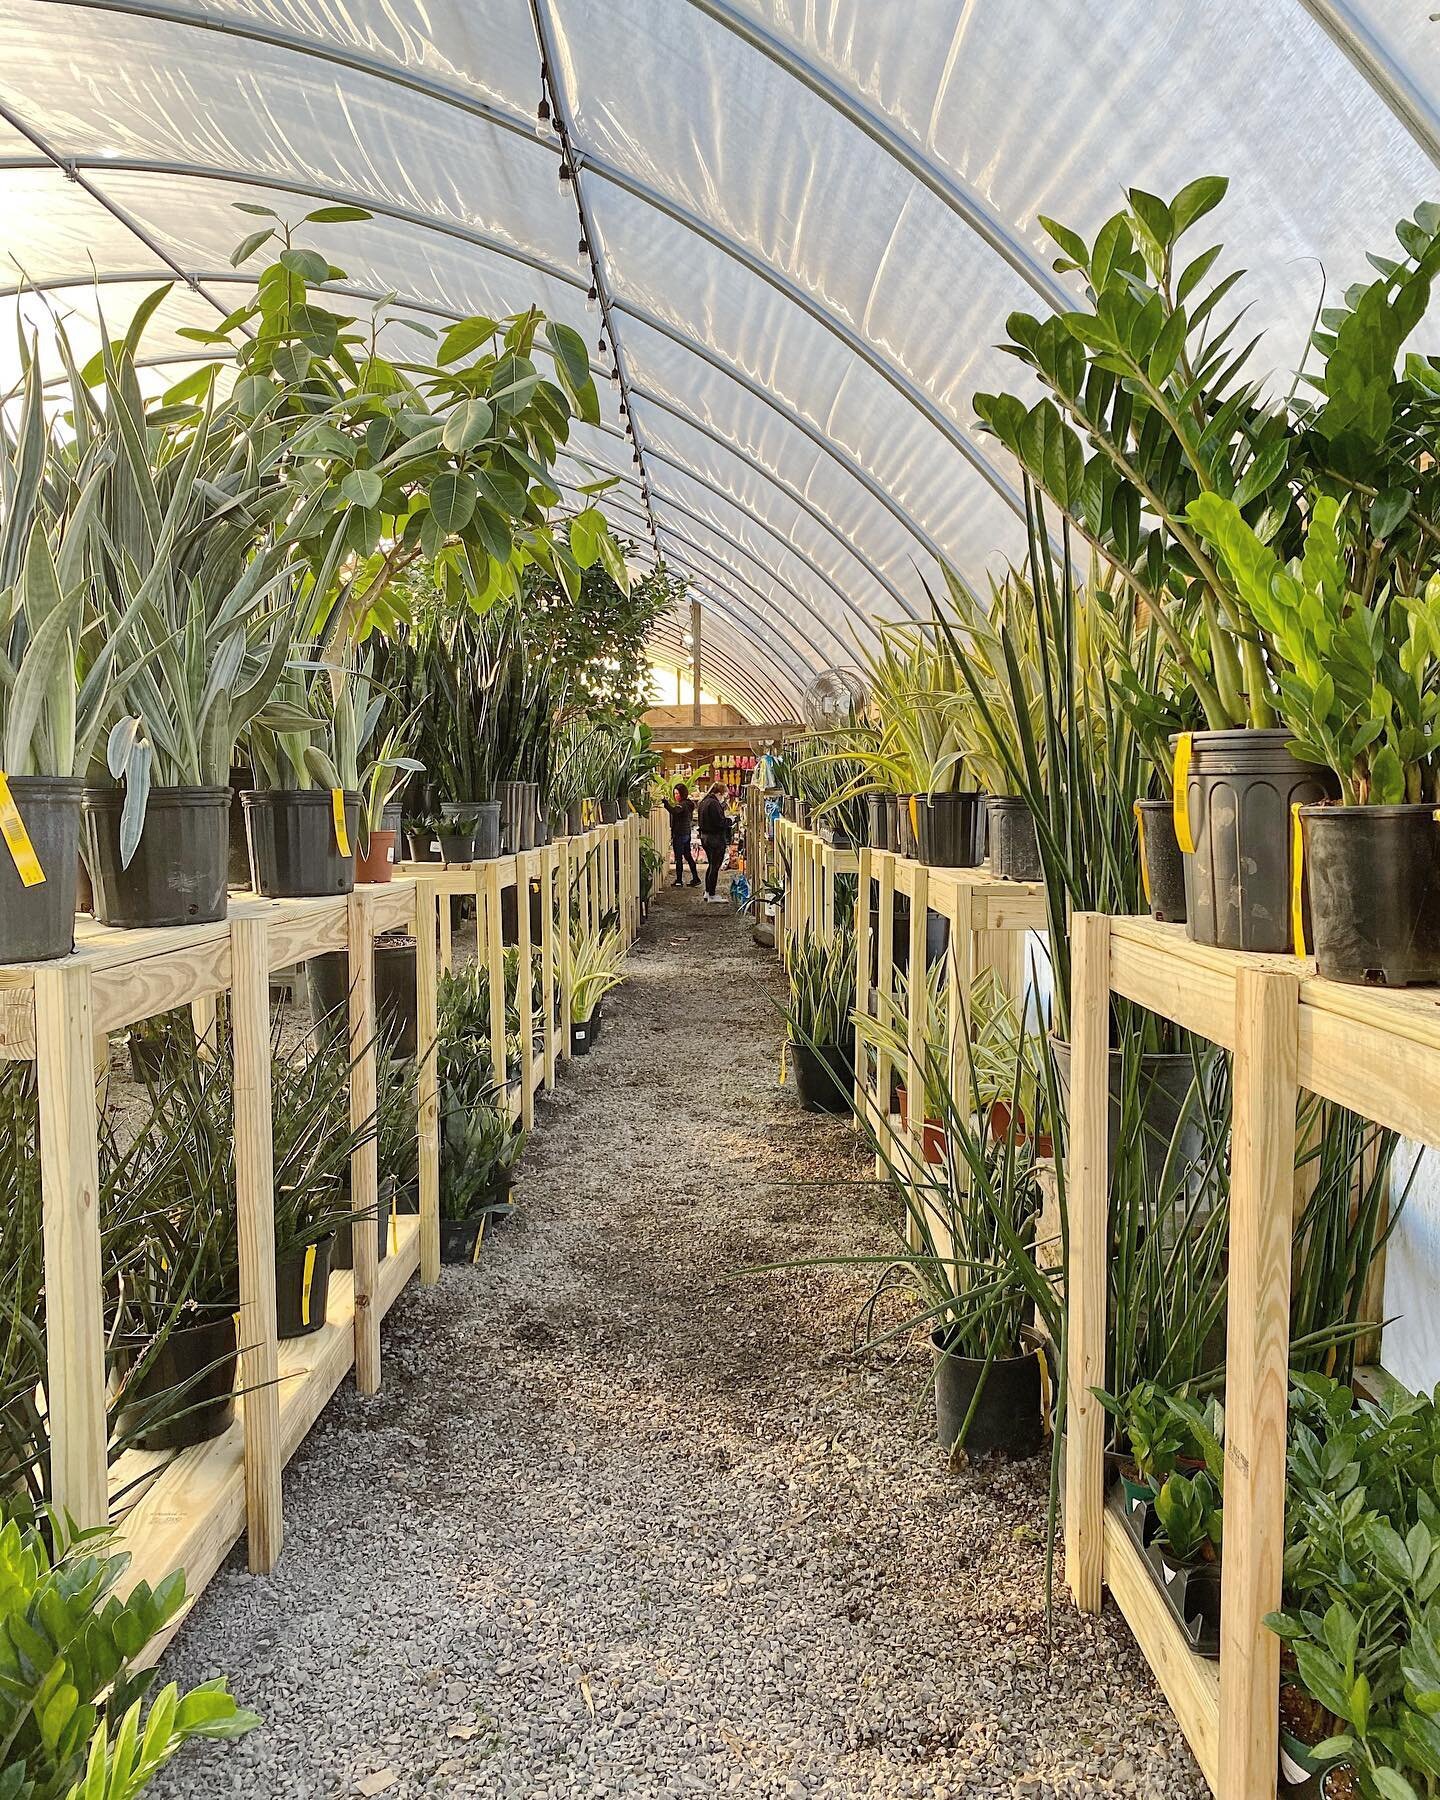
[
  {"x": 305, "y": 1282},
  {"x": 17, "y": 838},
  {"x": 1144, "y": 865},
  {"x": 337, "y": 809},
  {"x": 1297, "y": 879},
  {"x": 1184, "y": 744}
]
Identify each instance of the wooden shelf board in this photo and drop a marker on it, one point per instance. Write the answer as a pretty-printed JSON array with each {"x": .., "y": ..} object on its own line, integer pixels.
[
  {"x": 1189, "y": 1682},
  {"x": 189, "y": 1509}
]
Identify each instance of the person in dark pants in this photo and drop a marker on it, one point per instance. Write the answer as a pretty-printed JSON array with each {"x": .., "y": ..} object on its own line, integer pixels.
[
  {"x": 714, "y": 837},
  {"x": 681, "y": 809}
]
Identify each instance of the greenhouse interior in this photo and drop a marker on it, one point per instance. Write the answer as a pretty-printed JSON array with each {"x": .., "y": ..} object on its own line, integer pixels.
[{"x": 595, "y": 595}]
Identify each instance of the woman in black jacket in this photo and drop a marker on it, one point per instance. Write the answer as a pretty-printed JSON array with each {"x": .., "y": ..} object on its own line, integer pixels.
[
  {"x": 714, "y": 837},
  {"x": 682, "y": 815}
]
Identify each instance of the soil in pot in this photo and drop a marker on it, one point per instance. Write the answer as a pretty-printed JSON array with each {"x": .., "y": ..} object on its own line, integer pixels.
[
  {"x": 824, "y": 1078},
  {"x": 1007, "y": 1419},
  {"x": 327, "y": 988},
  {"x": 177, "y": 875},
  {"x": 187, "y": 1394},
  {"x": 38, "y": 922},
  {"x": 1014, "y": 846},
  {"x": 294, "y": 844},
  {"x": 302, "y": 1288},
  {"x": 1374, "y": 881},
  {"x": 1238, "y": 793},
  {"x": 1162, "y": 867},
  {"x": 950, "y": 830},
  {"x": 376, "y": 862}
]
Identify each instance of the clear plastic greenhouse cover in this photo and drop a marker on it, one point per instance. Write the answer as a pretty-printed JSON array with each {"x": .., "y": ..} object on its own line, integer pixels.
[{"x": 810, "y": 218}]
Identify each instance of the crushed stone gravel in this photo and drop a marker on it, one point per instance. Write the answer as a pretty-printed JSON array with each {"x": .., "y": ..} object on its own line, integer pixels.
[{"x": 628, "y": 1520}]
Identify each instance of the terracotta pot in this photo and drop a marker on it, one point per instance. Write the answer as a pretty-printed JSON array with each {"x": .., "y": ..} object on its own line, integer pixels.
[
  {"x": 376, "y": 862},
  {"x": 933, "y": 1141}
]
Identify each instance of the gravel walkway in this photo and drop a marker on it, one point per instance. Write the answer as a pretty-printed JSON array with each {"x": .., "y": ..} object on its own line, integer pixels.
[{"x": 625, "y": 1523}]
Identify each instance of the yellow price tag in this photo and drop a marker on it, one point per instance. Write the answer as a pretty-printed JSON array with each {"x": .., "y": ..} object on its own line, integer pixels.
[
  {"x": 1184, "y": 745},
  {"x": 784, "y": 1049},
  {"x": 1144, "y": 865},
  {"x": 1297, "y": 879},
  {"x": 480, "y": 1237},
  {"x": 17, "y": 838},
  {"x": 337, "y": 809},
  {"x": 306, "y": 1279}
]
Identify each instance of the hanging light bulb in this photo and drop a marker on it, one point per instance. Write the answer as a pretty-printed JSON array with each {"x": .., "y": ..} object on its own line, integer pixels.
[
  {"x": 600, "y": 345},
  {"x": 567, "y": 173},
  {"x": 592, "y": 293},
  {"x": 543, "y": 109},
  {"x": 584, "y": 246}
]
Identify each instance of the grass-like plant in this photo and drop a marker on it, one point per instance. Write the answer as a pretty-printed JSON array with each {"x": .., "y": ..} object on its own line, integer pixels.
[{"x": 596, "y": 969}]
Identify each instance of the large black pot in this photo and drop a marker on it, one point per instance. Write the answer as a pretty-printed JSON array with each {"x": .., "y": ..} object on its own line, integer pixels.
[
  {"x": 1238, "y": 794},
  {"x": 1374, "y": 881},
  {"x": 460, "y": 1239},
  {"x": 37, "y": 923},
  {"x": 177, "y": 875},
  {"x": 824, "y": 1079},
  {"x": 343, "y": 1256},
  {"x": 1161, "y": 863},
  {"x": 609, "y": 810},
  {"x": 574, "y": 818},
  {"x": 950, "y": 829},
  {"x": 1163, "y": 1087},
  {"x": 327, "y": 986},
  {"x": 510, "y": 914},
  {"x": 883, "y": 823},
  {"x": 1008, "y": 1420},
  {"x": 937, "y": 936},
  {"x": 906, "y": 826},
  {"x": 187, "y": 1394},
  {"x": 1014, "y": 845},
  {"x": 302, "y": 1288},
  {"x": 293, "y": 846}
]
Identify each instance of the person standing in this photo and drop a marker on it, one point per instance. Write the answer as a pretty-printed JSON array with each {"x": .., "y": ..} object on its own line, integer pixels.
[
  {"x": 681, "y": 809},
  {"x": 714, "y": 837}
]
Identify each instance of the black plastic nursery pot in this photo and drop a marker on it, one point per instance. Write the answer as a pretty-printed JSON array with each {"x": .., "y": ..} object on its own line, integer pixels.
[
  {"x": 905, "y": 824},
  {"x": 178, "y": 873},
  {"x": 302, "y": 1288},
  {"x": 343, "y": 1255},
  {"x": 1239, "y": 791},
  {"x": 327, "y": 987},
  {"x": 530, "y": 814},
  {"x": 1008, "y": 1419},
  {"x": 294, "y": 850},
  {"x": 38, "y": 922},
  {"x": 421, "y": 846},
  {"x": 585, "y": 1033},
  {"x": 457, "y": 847},
  {"x": 609, "y": 811},
  {"x": 881, "y": 811},
  {"x": 1014, "y": 845},
  {"x": 487, "y": 830},
  {"x": 950, "y": 830},
  {"x": 1165, "y": 1081},
  {"x": 460, "y": 1239},
  {"x": 937, "y": 935},
  {"x": 1374, "y": 880},
  {"x": 188, "y": 1391},
  {"x": 1162, "y": 865},
  {"x": 574, "y": 818},
  {"x": 824, "y": 1078}
]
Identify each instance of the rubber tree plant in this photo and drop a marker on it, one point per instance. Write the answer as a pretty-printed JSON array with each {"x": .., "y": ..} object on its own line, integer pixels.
[{"x": 441, "y": 460}]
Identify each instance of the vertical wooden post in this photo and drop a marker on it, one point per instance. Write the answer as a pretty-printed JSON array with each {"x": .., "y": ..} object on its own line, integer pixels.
[
  {"x": 255, "y": 1219},
  {"x": 70, "y": 1190},
  {"x": 429, "y": 902},
  {"x": 885, "y": 993},
  {"x": 960, "y": 981},
  {"x": 204, "y": 1016},
  {"x": 549, "y": 858},
  {"x": 364, "y": 1169},
  {"x": 565, "y": 886},
  {"x": 492, "y": 947},
  {"x": 447, "y": 948},
  {"x": 862, "y": 982},
  {"x": 918, "y": 1020},
  {"x": 525, "y": 988},
  {"x": 1267, "y": 1023},
  {"x": 1089, "y": 1220}
]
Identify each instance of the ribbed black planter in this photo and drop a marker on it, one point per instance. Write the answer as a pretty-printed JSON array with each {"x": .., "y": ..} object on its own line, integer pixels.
[
  {"x": 178, "y": 874},
  {"x": 950, "y": 830},
  {"x": 824, "y": 1079},
  {"x": 1162, "y": 1089},
  {"x": 302, "y": 1288},
  {"x": 327, "y": 987},
  {"x": 1014, "y": 845},
  {"x": 343, "y": 1256},
  {"x": 1374, "y": 879},
  {"x": 38, "y": 923},
  {"x": 1163, "y": 864},
  {"x": 294, "y": 849},
  {"x": 187, "y": 1394},
  {"x": 574, "y": 818},
  {"x": 460, "y": 1239},
  {"x": 1239, "y": 792},
  {"x": 883, "y": 824},
  {"x": 1007, "y": 1420}
]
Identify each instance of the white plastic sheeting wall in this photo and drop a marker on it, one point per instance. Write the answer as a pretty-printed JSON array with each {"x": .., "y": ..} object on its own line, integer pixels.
[{"x": 811, "y": 219}]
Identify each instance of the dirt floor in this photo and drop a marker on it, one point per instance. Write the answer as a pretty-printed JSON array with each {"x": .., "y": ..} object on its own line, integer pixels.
[{"x": 630, "y": 1518}]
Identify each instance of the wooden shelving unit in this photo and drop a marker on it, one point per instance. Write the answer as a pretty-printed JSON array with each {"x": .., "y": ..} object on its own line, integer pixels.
[
  {"x": 186, "y": 1510},
  {"x": 1287, "y": 1030}
]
